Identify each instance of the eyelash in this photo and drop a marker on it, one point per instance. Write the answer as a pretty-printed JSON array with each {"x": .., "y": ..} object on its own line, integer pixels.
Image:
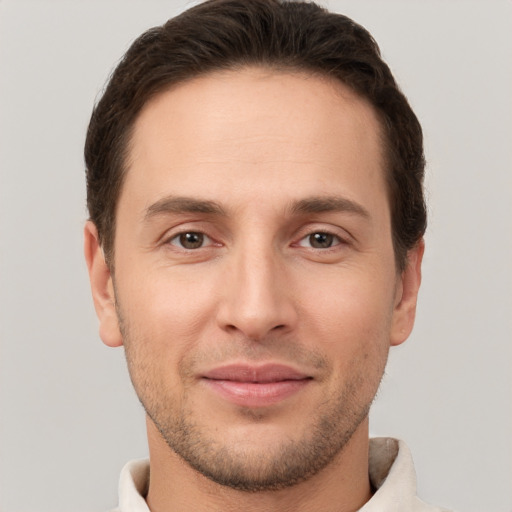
[
  {"x": 179, "y": 236},
  {"x": 335, "y": 240}
]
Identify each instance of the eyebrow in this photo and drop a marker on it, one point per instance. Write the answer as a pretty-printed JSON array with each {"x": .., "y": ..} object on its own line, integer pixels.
[
  {"x": 329, "y": 204},
  {"x": 321, "y": 204},
  {"x": 173, "y": 204}
]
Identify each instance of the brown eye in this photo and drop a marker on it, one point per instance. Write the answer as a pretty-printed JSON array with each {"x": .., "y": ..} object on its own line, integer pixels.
[
  {"x": 321, "y": 240},
  {"x": 190, "y": 240}
]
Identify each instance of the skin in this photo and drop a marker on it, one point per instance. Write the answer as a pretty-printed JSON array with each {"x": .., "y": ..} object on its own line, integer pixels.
[{"x": 305, "y": 158}]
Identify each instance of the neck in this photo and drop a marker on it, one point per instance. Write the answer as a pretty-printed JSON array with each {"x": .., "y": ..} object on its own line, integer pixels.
[{"x": 342, "y": 486}]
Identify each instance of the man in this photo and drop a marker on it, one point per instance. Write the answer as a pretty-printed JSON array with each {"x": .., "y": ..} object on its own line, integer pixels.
[{"x": 255, "y": 241}]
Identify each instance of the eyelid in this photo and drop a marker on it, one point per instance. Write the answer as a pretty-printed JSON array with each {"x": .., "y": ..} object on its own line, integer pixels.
[
  {"x": 189, "y": 227},
  {"x": 341, "y": 234},
  {"x": 339, "y": 240},
  {"x": 207, "y": 241}
]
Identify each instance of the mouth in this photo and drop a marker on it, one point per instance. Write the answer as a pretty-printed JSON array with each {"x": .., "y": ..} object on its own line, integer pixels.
[{"x": 255, "y": 385}]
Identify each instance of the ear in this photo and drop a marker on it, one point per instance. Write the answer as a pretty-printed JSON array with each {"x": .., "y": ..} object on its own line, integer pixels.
[
  {"x": 102, "y": 287},
  {"x": 407, "y": 295}
]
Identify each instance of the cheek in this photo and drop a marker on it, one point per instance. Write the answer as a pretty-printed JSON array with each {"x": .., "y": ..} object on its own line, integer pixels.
[
  {"x": 164, "y": 316},
  {"x": 352, "y": 329},
  {"x": 167, "y": 309},
  {"x": 351, "y": 317}
]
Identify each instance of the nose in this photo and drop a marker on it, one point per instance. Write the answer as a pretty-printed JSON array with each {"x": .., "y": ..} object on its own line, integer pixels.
[{"x": 257, "y": 295}]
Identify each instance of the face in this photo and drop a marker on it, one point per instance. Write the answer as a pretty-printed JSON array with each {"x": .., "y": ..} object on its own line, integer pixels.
[{"x": 255, "y": 286}]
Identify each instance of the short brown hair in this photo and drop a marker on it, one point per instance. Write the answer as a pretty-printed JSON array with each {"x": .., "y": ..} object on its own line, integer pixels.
[{"x": 229, "y": 34}]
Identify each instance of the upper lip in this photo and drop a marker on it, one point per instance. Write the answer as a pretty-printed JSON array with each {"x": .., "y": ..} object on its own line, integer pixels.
[{"x": 255, "y": 373}]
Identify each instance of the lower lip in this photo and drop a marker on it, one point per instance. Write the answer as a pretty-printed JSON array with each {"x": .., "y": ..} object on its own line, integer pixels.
[{"x": 253, "y": 394}]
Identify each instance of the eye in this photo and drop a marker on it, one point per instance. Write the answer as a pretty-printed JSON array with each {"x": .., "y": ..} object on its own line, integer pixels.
[
  {"x": 320, "y": 240},
  {"x": 190, "y": 240}
]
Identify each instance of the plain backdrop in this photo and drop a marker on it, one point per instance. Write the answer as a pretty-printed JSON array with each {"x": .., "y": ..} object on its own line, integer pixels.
[{"x": 69, "y": 419}]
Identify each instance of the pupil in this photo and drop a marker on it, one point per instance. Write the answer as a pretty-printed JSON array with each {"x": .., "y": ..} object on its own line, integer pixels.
[
  {"x": 321, "y": 240},
  {"x": 191, "y": 240}
]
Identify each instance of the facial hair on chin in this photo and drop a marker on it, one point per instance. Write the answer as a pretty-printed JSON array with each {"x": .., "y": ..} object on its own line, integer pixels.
[{"x": 292, "y": 462}]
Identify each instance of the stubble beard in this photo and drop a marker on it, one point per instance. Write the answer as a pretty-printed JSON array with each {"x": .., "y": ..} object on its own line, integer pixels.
[
  {"x": 286, "y": 465},
  {"x": 265, "y": 470}
]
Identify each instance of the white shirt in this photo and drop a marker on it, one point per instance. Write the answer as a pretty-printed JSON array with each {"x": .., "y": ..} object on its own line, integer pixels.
[{"x": 391, "y": 473}]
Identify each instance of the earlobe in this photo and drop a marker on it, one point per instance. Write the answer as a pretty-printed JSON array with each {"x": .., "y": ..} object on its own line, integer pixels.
[
  {"x": 101, "y": 287},
  {"x": 407, "y": 296}
]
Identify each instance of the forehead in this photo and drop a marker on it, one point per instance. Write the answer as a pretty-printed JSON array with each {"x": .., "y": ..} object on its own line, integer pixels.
[{"x": 255, "y": 126}]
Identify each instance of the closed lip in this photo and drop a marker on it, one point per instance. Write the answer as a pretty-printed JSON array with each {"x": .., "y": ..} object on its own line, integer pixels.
[
  {"x": 250, "y": 373},
  {"x": 250, "y": 385}
]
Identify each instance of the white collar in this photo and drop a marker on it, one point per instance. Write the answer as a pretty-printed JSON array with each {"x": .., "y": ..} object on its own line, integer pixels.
[{"x": 391, "y": 474}]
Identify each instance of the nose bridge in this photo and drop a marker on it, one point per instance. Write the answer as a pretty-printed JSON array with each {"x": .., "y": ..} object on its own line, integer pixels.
[{"x": 256, "y": 299}]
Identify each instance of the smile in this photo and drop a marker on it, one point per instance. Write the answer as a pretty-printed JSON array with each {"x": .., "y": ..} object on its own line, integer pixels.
[{"x": 255, "y": 386}]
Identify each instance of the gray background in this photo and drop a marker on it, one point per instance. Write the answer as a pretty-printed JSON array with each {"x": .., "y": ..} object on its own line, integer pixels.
[{"x": 68, "y": 417}]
